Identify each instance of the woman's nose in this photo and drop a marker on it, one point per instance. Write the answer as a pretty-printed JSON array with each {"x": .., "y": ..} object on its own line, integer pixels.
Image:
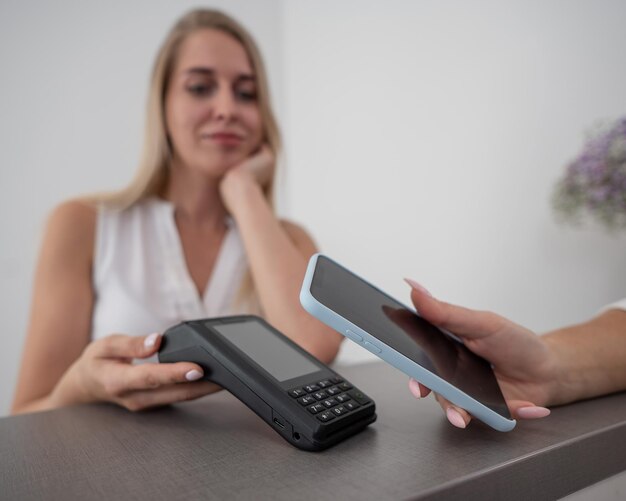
[{"x": 225, "y": 107}]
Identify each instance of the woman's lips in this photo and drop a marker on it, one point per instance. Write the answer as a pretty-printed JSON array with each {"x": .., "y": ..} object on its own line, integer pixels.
[{"x": 224, "y": 138}]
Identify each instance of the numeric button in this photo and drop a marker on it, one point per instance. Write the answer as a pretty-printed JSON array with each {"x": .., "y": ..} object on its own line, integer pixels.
[
  {"x": 340, "y": 411},
  {"x": 306, "y": 400},
  {"x": 320, "y": 395},
  {"x": 331, "y": 402},
  {"x": 315, "y": 408},
  {"x": 325, "y": 416}
]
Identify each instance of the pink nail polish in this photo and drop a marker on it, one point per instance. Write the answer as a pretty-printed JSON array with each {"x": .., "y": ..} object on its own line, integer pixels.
[
  {"x": 414, "y": 285},
  {"x": 414, "y": 388},
  {"x": 533, "y": 412},
  {"x": 193, "y": 375},
  {"x": 455, "y": 418},
  {"x": 151, "y": 340}
]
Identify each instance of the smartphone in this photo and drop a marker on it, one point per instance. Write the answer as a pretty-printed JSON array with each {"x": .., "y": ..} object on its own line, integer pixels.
[
  {"x": 397, "y": 334},
  {"x": 298, "y": 396}
]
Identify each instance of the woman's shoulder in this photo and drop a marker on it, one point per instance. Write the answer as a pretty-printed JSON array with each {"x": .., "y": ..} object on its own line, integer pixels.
[
  {"x": 71, "y": 228},
  {"x": 73, "y": 216}
]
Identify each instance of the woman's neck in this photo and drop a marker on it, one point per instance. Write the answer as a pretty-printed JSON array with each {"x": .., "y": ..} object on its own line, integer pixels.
[{"x": 196, "y": 198}]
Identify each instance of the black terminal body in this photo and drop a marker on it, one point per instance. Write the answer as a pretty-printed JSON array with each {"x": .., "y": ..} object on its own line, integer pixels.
[{"x": 302, "y": 399}]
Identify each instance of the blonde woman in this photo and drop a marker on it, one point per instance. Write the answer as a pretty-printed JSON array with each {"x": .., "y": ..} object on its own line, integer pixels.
[{"x": 194, "y": 235}]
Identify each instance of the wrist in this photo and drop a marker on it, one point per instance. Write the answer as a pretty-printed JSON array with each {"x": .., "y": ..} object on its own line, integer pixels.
[
  {"x": 70, "y": 390},
  {"x": 566, "y": 382},
  {"x": 555, "y": 382},
  {"x": 240, "y": 191}
]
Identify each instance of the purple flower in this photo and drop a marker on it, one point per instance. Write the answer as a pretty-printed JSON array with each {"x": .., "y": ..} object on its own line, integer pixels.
[{"x": 594, "y": 183}]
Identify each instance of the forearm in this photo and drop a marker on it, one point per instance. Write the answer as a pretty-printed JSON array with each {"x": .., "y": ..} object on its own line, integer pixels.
[
  {"x": 277, "y": 268},
  {"x": 37, "y": 405},
  {"x": 590, "y": 358},
  {"x": 67, "y": 391}
]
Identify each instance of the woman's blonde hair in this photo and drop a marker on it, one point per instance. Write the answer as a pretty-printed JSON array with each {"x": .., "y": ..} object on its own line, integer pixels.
[{"x": 152, "y": 175}]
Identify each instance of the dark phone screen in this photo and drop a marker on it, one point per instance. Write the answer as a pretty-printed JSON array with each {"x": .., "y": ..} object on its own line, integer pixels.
[
  {"x": 267, "y": 349},
  {"x": 400, "y": 328}
]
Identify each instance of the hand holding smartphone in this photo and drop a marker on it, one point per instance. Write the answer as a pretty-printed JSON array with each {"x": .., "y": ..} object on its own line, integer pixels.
[{"x": 398, "y": 335}]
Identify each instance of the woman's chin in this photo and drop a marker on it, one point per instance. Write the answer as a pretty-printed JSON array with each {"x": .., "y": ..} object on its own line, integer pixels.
[
  {"x": 217, "y": 167},
  {"x": 226, "y": 160},
  {"x": 216, "y": 162}
]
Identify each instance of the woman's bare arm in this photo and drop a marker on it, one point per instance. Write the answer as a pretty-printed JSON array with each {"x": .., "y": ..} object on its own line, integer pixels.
[
  {"x": 590, "y": 357},
  {"x": 60, "y": 318},
  {"x": 278, "y": 253},
  {"x": 60, "y": 365}
]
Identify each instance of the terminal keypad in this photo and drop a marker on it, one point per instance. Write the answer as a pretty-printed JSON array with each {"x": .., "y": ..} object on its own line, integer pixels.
[{"x": 330, "y": 398}]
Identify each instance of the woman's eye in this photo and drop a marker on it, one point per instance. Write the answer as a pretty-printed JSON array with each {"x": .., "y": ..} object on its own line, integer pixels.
[
  {"x": 200, "y": 89},
  {"x": 246, "y": 95}
]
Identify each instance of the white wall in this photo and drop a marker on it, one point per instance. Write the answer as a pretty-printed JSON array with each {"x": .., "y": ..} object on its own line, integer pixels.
[
  {"x": 423, "y": 138},
  {"x": 73, "y": 83}
]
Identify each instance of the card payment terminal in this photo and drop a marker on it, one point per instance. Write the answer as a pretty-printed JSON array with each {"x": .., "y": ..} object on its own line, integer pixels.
[{"x": 307, "y": 403}]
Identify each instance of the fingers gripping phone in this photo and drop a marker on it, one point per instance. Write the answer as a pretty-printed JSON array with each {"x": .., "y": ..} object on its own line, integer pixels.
[{"x": 398, "y": 335}]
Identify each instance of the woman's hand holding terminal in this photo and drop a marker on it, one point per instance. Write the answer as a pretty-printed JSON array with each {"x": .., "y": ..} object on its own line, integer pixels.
[{"x": 105, "y": 372}]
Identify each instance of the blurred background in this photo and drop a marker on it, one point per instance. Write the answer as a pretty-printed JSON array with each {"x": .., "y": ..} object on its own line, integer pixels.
[{"x": 423, "y": 139}]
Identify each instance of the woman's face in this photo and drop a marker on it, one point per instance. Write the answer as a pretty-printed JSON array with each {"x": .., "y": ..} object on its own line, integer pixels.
[{"x": 211, "y": 110}]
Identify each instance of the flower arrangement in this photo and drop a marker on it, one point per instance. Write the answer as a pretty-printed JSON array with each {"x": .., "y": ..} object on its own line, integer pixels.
[{"x": 594, "y": 184}]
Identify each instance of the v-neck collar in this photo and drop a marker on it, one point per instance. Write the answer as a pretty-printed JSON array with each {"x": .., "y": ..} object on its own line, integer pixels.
[{"x": 181, "y": 287}]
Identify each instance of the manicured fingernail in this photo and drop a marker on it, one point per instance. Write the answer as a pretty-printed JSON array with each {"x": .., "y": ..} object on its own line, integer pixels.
[
  {"x": 413, "y": 284},
  {"x": 414, "y": 388},
  {"x": 455, "y": 417},
  {"x": 193, "y": 375},
  {"x": 533, "y": 412},
  {"x": 150, "y": 340}
]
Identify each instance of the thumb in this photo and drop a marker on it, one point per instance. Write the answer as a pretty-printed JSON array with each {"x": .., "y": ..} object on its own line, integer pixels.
[{"x": 126, "y": 347}]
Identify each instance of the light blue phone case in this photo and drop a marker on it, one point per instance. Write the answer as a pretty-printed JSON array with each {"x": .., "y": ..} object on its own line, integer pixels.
[{"x": 393, "y": 357}]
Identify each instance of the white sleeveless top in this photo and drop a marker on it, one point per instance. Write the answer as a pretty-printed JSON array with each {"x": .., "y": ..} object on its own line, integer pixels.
[{"x": 142, "y": 284}]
